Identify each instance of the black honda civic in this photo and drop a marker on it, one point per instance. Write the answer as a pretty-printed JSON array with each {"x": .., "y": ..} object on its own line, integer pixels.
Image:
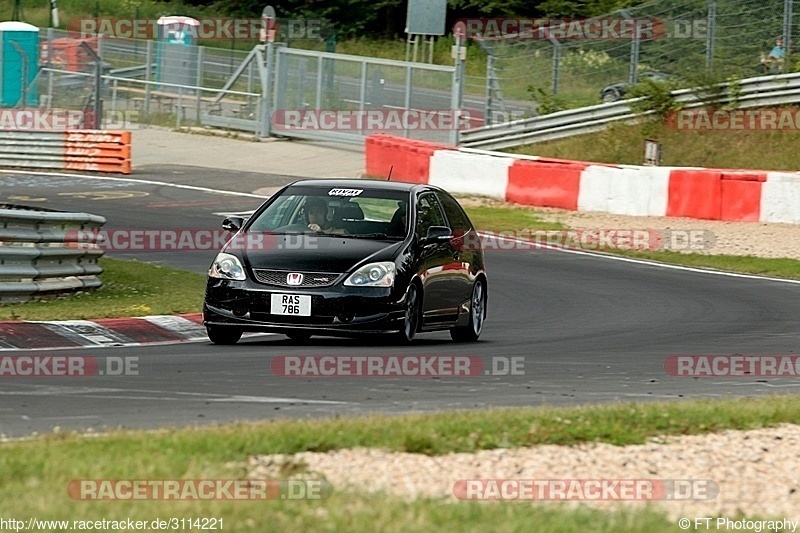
[{"x": 346, "y": 258}]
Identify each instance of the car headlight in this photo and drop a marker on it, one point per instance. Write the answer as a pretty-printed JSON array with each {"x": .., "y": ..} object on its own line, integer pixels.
[
  {"x": 372, "y": 275},
  {"x": 227, "y": 266}
]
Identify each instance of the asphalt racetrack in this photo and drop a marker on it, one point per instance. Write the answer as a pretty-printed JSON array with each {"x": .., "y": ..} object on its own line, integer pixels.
[{"x": 583, "y": 328}]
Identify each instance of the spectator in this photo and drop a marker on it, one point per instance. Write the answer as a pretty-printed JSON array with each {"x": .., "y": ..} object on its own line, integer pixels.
[{"x": 776, "y": 56}]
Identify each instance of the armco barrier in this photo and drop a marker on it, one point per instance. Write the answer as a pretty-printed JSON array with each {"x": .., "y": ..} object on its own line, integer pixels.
[
  {"x": 701, "y": 193},
  {"x": 40, "y": 253},
  {"x": 86, "y": 150}
]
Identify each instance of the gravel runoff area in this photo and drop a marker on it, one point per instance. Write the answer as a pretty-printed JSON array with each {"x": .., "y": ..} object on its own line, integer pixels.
[
  {"x": 760, "y": 239},
  {"x": 755, "y": 471}
]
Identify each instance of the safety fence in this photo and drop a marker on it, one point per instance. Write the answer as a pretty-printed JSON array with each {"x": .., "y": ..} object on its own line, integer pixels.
[
  {"x": 46, "y": 253},
  {"x": 749, "y": 93},
  {"x": 85, "y": 150},
  {"x": 700, "y": 193}
]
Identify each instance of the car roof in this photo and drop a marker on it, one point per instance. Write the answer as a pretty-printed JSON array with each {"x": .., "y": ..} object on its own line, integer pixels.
[{"x": 362, "y": 184}]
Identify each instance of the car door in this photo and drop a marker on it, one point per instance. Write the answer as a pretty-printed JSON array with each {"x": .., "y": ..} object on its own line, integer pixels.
[
  {"x": 439, "y": 306},
  {"x": 464, "y": 248}
]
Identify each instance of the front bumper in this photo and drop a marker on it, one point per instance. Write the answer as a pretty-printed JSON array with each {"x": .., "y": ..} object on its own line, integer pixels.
[{"x": 334, "y": 310}]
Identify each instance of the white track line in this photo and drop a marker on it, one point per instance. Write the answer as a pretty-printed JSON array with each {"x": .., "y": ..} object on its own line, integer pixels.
[{"x": 147, "y": 182}]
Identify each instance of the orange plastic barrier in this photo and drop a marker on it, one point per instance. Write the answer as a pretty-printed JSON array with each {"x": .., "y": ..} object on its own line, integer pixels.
[
  {"x": 695, "y": 194},
  {"x": 544, "y": 184},
  {"x": 98, "y": 151},
  {"x": 741, "y": 196},
  {"x": 408, "y": 159}
]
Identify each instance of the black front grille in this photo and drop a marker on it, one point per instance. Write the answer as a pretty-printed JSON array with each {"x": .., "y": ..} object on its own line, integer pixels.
[{"x": 278, "y": 278}]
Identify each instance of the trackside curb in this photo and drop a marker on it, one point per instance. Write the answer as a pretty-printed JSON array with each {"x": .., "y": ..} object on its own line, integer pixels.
[{"x": 133, "y": 331}]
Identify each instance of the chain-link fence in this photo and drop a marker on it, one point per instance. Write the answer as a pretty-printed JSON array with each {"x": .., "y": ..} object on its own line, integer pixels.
[
  {"x": 263, "y": 91},
  {"x": 694, "y": 42}
]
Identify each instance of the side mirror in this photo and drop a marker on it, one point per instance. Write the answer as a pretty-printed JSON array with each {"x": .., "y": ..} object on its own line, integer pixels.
[
  {"x": 437, "y": 234},
  {"x": 232, "y": 224}
]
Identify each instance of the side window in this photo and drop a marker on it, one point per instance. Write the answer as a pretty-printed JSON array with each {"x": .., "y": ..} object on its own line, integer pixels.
[
  {"x": 428, "y": 214},
  {"x": 459, "y": 222}
]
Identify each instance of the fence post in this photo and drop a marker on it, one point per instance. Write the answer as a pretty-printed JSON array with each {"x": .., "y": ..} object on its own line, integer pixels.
[
  {"x": 407, "y": 97},
  {"x": 711, "y": 23},
  {"x": 266, "y": 90},
  {"x": 458, "y": 91},
  {"x": 787, "y": 33},
  {"x": 489, "y": 74},
  {"x": 556, "y": 63},
  {"x": 49, "y": 66},
  {"x": 362, "y": 97},
  {"x": 199, "y": 81},
  {"x": 148, "y": 76}
]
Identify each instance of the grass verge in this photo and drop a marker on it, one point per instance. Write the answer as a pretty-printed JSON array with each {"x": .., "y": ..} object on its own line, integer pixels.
[
  {"x": 130, "y": 288},
  {"x": 624, "y": 144},
  {"x": 34, "y": 474}
]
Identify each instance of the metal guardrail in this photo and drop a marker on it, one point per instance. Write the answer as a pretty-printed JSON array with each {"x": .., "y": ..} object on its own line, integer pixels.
[
  {"x": 47, "y": 252},
  {"x": 753, "y": 92}
]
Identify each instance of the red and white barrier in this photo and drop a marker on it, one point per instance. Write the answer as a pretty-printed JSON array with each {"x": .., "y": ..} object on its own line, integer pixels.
[{"x": 701, "y": 193}]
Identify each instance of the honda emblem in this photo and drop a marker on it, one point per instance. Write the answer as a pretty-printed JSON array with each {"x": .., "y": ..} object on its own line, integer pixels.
[{"x": 294, "y": 278}]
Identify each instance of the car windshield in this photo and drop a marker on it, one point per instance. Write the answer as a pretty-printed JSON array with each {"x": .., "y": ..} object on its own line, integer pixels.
[{"x": 351, "y": 212}]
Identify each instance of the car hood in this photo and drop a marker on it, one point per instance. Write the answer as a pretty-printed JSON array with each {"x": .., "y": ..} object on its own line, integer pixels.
[{"x": 315, "y": 253}]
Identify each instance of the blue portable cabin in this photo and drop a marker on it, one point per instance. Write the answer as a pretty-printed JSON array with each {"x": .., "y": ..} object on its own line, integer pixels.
[
  {"x": 176, "y": 53},
  {"x": 19, "y": 64}
]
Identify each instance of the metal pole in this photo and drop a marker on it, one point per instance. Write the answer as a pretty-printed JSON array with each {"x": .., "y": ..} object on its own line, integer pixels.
[
  {"x": 363, "y": 94},
  {"x": 633, "y": 74},
  {"x": 556, "y": 64},
  {"x": 712, "y": 18},
  {"x": 489, "y": 75},
  {"x": 787, "y": 33},
  {"x": 267, "y": 90},
  {"x": 98, "y": 82},
  {"x": 407, "y": 96},
  {"x": 199, "y": 82},
  {"x": 318, "y": 100},
  {"x": 49, "y": 65},
  {"x": 456, "y": 96},
  {"x": 147, "y": 76}
]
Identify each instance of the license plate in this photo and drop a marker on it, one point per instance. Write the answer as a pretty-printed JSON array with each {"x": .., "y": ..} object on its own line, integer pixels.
[{"x": 290, "y": 304}]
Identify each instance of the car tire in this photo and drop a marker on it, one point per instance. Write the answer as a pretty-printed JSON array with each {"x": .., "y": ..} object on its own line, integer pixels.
[
  {"x": 223, "y": 335},
  {"x": 611, "y": 96},
  {"x": 412, "y": 315},
  {"x": 477, "y": 315},
  {"x": 299, "y": 337}
]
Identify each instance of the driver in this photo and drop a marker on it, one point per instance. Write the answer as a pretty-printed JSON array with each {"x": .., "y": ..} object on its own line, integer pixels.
[{"x": 317, "y": 216}]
